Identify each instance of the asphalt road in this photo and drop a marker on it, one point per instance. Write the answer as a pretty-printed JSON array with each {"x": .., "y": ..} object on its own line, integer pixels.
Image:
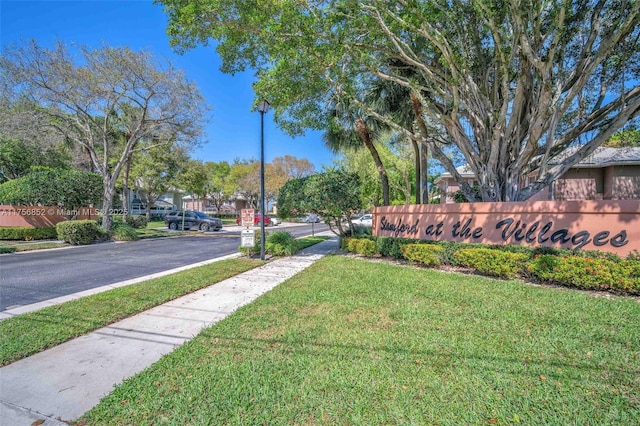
[{"x": 31, "y": 277}]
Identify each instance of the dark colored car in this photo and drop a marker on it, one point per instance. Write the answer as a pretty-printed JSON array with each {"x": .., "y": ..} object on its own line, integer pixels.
[
  {"x": 197, "y": 220},
  {"x": 256, "y": 220}
]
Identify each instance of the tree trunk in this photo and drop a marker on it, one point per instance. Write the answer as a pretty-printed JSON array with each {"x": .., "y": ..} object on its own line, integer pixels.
[
  {"x": 363, "y": 131},
  {"x": 149, "y": 202},
  {"x": 125, "y": 188},
  {"x": 107, "y": 202},
  {"x": 424, "y": 169},
  {"x": 418, "y": 165},
  {"x": 424, "y": 149}
]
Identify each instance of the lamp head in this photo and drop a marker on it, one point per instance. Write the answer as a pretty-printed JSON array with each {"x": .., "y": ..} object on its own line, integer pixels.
[{"x": 263, "y": 106}]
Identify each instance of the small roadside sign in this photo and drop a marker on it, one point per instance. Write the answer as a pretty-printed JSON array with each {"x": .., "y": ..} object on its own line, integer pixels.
[
  {"x": 248, "y": 238},
  {"x": 247, "y": 216},
  {"x": 313, "y": 218}
]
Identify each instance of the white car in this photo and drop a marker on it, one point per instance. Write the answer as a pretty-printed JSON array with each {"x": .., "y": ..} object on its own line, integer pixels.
[
  {"x": 275, "y": 221},
  {"x": 365, "y": 220},
  {"x": 310, "y": 218}
]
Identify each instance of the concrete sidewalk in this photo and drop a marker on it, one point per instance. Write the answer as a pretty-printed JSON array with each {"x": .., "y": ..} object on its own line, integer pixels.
[{"x": 64, "y": 382}]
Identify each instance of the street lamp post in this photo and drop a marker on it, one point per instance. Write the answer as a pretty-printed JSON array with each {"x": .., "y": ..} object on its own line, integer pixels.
[{"x": 263, "y": 106}]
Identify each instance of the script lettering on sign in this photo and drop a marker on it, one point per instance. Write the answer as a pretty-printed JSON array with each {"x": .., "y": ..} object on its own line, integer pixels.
[
  {"x": 605, "y": 225},
  {"x": 516, "y": 230},
  {"x": 399, "y": 227},
  {"x": 464, "y": 230}
]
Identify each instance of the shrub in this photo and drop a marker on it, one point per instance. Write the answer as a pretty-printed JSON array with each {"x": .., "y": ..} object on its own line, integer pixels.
[
  {"x": 634, "y": 255},
  {"x": 281, "y": 243},
  {"x": 103, "y": 234},
  {"x": 426, "y": 254},
  {"x": 157, "y": 216},
  {"x": 581, "y": 272},
  {"x": 366, "y": 247},
  {"x": 67, "y": 189},
  {"x": 587, "y": 272},
  {"x": 352, "y": 245},
  {"x": 28, "y": 234},
  {"x": 343, "y": 243},
  {"x": 77, "y": 231},
  {"x": 449, "y": 250},
  {"x": 392, "y": 247},
  {"x": 137, "y": 221},
  {"x": 124, "y": 232},
  {"x": 361, "y": 230},
  {"x": 491, "y": 262},
  {"x": 511, "y": 248},
  {"x": 627, "y": 275}
]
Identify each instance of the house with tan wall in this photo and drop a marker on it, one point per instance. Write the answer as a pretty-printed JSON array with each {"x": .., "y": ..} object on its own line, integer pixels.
[{"x": 606, "y": 174}]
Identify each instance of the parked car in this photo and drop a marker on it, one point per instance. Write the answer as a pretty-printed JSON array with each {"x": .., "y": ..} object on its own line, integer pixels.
[
  {"x": 256, "y": 220},
  {"x": 275, "y": 221},
  {"x": 364, "y": 220},
  {"x": 192, "y": 219}
]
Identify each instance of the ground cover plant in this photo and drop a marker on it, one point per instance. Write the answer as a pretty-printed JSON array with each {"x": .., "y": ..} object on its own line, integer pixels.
[
  {"x": 124, "y": 232},
  {"x": 281, "y": 243},
  {"x": 349, "y": 341}
]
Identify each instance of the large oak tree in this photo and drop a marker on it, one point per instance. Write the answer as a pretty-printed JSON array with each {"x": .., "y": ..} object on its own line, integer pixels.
[
  {"x": 109, "y": 101},
  {"x": 512, "y": 83}
]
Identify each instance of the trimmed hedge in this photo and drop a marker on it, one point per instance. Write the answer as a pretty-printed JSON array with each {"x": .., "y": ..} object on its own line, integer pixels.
[
  {"x": 352, "y": 244},
  {"x": 425, "y": 254},
  {"x": 591, "y": 270},
  {"x": 28, "y": 234},
  {"x": 588, "y": 273},
  {"x": 78, "y": 232},
  {"x": 492, "y": 262},
  {"x": 392, "y": 247},
  {"x": 366, "y": 247}
]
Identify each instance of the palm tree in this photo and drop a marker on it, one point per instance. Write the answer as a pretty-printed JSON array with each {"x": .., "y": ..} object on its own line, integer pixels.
[
  {"x": 350, "y": 130},
  {"x": 393, "y": 100}
]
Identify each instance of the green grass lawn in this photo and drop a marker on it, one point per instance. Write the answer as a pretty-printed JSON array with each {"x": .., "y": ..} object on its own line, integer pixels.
[
  {"x": 351, "y": 342},
  {"x": 13, "y": 247},
  {"x": 153, "y": 233},
  {"x": 31, "y": 333},
  {"x": 156, "y": 224}
]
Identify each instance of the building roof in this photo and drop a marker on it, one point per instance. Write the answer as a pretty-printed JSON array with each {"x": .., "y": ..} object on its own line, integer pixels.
[
  {"x": 605, "y": 156},
  {"x": 464, "y": 170},
  {"x": 602, "y": 157}
]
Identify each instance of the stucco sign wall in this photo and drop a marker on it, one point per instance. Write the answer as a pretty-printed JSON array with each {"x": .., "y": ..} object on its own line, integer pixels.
[
  {"x": 612, "y": 226},
  {"x": 40, "y": 216}
]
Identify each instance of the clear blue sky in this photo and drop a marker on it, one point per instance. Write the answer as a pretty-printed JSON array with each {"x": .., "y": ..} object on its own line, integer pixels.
[{"x": 233, "y": 131}]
